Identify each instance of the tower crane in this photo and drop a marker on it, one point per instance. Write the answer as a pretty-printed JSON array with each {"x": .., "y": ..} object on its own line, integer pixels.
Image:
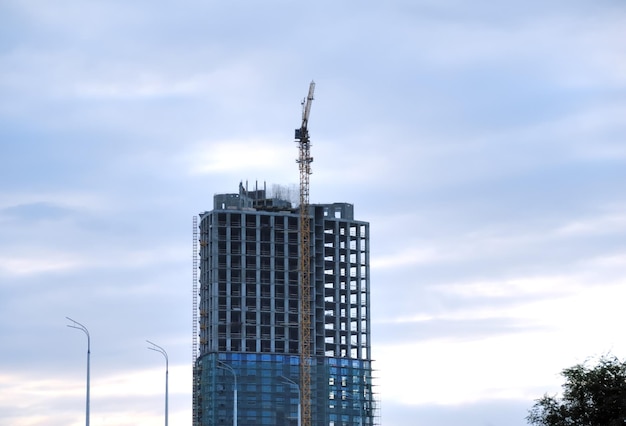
[{"x": 304, "y": 161}]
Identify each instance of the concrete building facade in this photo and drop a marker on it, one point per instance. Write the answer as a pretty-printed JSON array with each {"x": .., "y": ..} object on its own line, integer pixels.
[{"x": 248, "y": 363}]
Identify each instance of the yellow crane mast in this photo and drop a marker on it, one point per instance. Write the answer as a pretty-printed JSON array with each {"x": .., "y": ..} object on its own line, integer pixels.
[{"x": 304, "y": 161}]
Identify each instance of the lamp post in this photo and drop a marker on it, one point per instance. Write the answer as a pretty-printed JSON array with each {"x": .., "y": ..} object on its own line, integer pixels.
[
  {"x": 79, "y": 326},
  {"x": 225, "y": 366},
  {"x": 291, "y": 382},
  {"x": 159, "y": 349}
]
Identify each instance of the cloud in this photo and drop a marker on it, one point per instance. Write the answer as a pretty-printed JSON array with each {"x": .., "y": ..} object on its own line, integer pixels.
[
  {"x": 485, "y": 413},
  {"x": 12, "y": 265},
  {"x": 410, "y": 256},
  {"x": 514, "y": 332},
  {"x": 484, "y": 143},
  {"x": 125, "y": 398},
  {"x": 599, "y": 225},
  {"x": 241, "y": 156}
]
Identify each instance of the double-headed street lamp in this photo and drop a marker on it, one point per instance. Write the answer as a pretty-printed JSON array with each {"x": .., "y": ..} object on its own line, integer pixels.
[
  {"x": 159, "y": 349},
  {"x": 79, "y": 326}
]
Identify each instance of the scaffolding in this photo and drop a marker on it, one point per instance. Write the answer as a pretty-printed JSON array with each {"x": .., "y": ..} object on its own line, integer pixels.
[{"x": 196, "y": 401}]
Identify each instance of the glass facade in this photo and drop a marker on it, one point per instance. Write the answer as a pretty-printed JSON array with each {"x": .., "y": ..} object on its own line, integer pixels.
[
  {"x": 264, "y": 395},
  {"x": 268, "y": 393}
]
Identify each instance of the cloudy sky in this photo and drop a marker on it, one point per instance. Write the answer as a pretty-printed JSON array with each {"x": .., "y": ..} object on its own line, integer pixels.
[{"x": 484, "y": 141}]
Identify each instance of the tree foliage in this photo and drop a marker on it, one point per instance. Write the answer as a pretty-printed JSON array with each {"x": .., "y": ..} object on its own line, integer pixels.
[{"x": 592, "y": 396}]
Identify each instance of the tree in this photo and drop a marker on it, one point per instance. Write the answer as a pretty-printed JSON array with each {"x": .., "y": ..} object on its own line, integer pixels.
[{"x": 592, "y": 396}]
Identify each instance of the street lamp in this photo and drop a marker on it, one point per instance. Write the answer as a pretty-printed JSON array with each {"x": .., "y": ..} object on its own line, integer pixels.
[
  {"x": 225, "y": 366},
  {"x": 82, "y": 328},
  {"x": 159, "y": 349},
  {"x": 291, "y": 382}
]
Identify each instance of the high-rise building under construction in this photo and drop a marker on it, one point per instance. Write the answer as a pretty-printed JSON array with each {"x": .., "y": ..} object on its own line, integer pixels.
[{"x": 247, "y": 369}]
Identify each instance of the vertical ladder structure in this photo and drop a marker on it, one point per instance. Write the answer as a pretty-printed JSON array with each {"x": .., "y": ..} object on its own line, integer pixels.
[
  {"x": 304, "y": 161},
  {"x": 194, "y": 326},
  {"x": 194, "y": 286}
]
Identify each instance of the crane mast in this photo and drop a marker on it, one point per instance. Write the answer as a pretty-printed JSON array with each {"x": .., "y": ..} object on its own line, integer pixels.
[{"x": 304, "y": 161}]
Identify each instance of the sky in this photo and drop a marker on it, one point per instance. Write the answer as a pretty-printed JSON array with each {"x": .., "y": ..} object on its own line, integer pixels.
[{"x": 484, "y": 141}]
